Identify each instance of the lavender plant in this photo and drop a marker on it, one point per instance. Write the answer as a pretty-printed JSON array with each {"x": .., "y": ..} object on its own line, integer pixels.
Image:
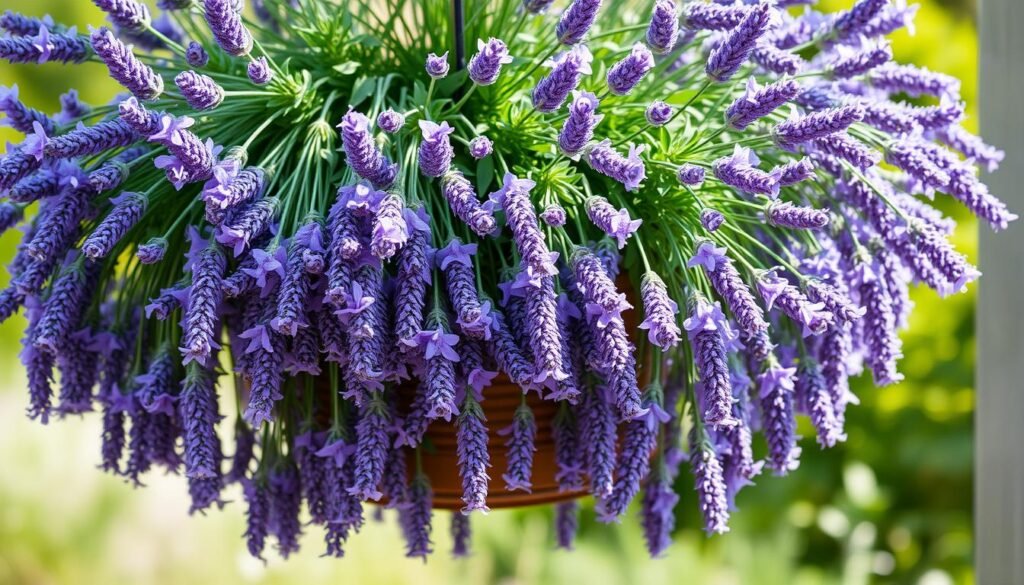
[{"x": 300, "y": 191}]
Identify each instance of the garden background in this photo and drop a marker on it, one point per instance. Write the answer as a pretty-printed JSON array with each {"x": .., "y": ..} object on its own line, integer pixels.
[{"x": 892, "y": 505}]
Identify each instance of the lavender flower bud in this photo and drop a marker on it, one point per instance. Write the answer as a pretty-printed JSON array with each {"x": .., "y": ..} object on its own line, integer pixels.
[
  {"x": 787, "y": 215},
  {"x": 627, "y": 73},
  {"x": 124, "y": 67},
  {"x": 711, "y": 219},
  {"x": 758, "y": 102},
  {"x": 514, "y": 196},
  {"x": 777, "y": 418},
  {"x": 21, "y": 117},
  {"x": 196, "y": 56},
  {"x": 913, "y": 81},
  {"x": 259, "y": 71},
  {"x": 616, "y": 224},
  {"x": 628, "y": 170},
  {"x": 390, "y": 121},
  {"x": 845, "y": 147},
  {"x": 485, "y": 66},
  {"x": 727, "y": 282},
  {"x": 127, "y": 14},
  {"x": 545, "y": 336},
  {"x": 460, "y": 531},
  {"x": 566, "y": 523},
  {"x": 660, "y": 312},
  {"x": 658, "y": 113},
  {"x": 632, "y": 466},
  {"x": 257, "y": 516},
  {"x": 691, "y": 175},
  {"x": 553, "y": 215},
  {"x": 474, "y": 458},
  {"x": 201, "y": 92},
  {"x": 245, "y": 224},
  {"x": 362, "y": 154},
  {"x": 859, "y": 63},
  {"x": 225, "y": 23},
  {"x": 663, "y": 30},
  {"x": 579, "y": 125},
  {"x": 19, "y": 25},
  {"x": 435, "y": 153},
  {"x": 852, "y": 22},
  {"x": 657, "y": 514},
  {"x": 415, "y": 518},
  {"x": 371, "y": 450},
  {"x": 776, "y": 60},
  {"x": 815, "y": 397},
  {"x": 44, "y": 48},
  {"x": 520, "y": 449},
  {"x": 566, "y": 72},
  {"x": 710, "y": 486},
  {"x": 199, "y": 418},
  {"x": 87, "y": 141},
  {"x": 729, "y": 56},
  {"x": 796, "y": 171},
  {"x": 711, "y": 16},
  {"x": 437, "y": 67},
  {"x": 740, "y": 171},
  {"x": 816, "y": 125},
  {"x": 576, "y": 21},
  {"x": 462, "y": 200},
  {"x": 599, "y": 437},
  {"x": 390, "y": 231},
  {"x": 705, "y": 326},
  {"x": 777, "y": 291},
  {"x": 909, "y": 157},
  {"x": 200, "y": 324},
  {"x": 128, "y": 209}
]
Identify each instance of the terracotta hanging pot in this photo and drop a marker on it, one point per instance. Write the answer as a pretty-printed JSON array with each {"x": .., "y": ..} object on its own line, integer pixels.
[{"x": 441, "y": 462}]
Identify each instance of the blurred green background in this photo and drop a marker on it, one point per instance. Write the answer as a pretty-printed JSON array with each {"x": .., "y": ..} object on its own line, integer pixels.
[{"x": 892, "y": 505}]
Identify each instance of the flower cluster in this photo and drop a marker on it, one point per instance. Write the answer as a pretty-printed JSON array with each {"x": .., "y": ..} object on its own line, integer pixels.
[{"x": 327, "y": 215}]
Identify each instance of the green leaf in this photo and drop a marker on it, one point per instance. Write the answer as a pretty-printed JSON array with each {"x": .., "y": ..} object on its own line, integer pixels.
[
  {"x": 681, "y": 97},
  {"x": 484, "y": 174},
  {"x": 363, "y": 90},
  {"x": 346, "y": 68}
]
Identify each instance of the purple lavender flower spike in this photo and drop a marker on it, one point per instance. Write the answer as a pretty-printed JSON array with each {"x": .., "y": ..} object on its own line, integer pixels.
[
  {"x": 474, "y": 458},
  {"x": 711, "y": 219},
  {"x": 727, "y": 282},
  {"x": 658, "y": 113},
  {"x": 259, "y": 71},
  {"x": 616, "y": 224},
  {"x": 537, "y": 6},
  {"x": 705, "y": 326},
  {"x": 514, "y": 197},
  {"x": 257, "y": 516},
  {"x": 776, "y": 291},
  {"x": 657, "y": 513},
  {"x": 440, "y": 355},
  {"x": 362, "y": 153},
  {"x": 628, "y": 170},
  {"x": 225, "y": 23},
  {"x": 246, "y": 224},
  {"x": 225, "y": 195},
  {"x": 285, "y": 505},
  {"x": 16, "y": 165},
  {"x": 757, "y": 102},
  {"x": 845, "y": 147},
  {"x": 854, "y": 21},
  {"x": 19, "y": 25},
  {"x": 128, "y": 209},
  {"x": 545, "y": 336},
  {"x": 777, "y": 418},
  {"x": 196, "y": 56},
  {"x": 711, "y": 16},
  {"x": 599, "y": 437},
  {"x": 776, "y": 60},
  {"x": 787, "y": 215},
  {"x": 201, "y": 92},
  {"x": 813, "y": 394},
  {"x": 660, "y": 312},
  {"x": 10, "y": 215},
  {"x": 796, "y": 171},
  {"x": 566, "y": 72},
  {"x": 485, "y": 66},
  {"x": 415, "y": 518},
  {"x": 633, "y": 463},
  {"x": 462, "y": 200},
  {"x": 390, "y": 121},
  {"x": 127, "y": 14},
  {"x": 45, "y": 47},
  {"x": 729, "y": 56},
  {"x": 21, "y": 117},
  {"x": 473, "y": 315},
  {"x": 520, "y": 449},
  {"x": 190, "y": 158},
  {"x": 691, "y": 175},
  {"x": 435, "y": 153},
  {"x": 71, "y": 107},
  {"x": 627, "y": 73},
  {"x": 909, "y": 157},
  {"x": 461, "y": 534},
  {"x": 568, "y": 451},
  {"x": 740, "y": 171},
  {"x": 913, "y": 81},
  {"x": 579, "y": 125},
  {"x": 413, "y": 278},
  {"x": 603, "y": 303},
  {"x": 64, "y": 308},
  {"x": 710, "y": 486},
  {"x": 293, "y": 294},
  {"x": 816, "y": 125},
  {"x": 576, "y": 21},
  {"x": 508, "y": 355},
  {"x": 855, "y": 63},
  {"x": 199, "y": 416},
  {"x": 437, "y": 66},
  {"x": 124, "y": 67},
  {"x": 663, "y": 30},
  {"x": 883, "y": 343},
  {"x": 371, "y": 449},
  {"x": 201, "y": 319},
  {"x": 566, "y": 523}
]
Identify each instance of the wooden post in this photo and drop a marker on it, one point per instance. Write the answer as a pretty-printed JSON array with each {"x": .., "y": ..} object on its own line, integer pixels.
[{"x": 999, "y": 418}]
